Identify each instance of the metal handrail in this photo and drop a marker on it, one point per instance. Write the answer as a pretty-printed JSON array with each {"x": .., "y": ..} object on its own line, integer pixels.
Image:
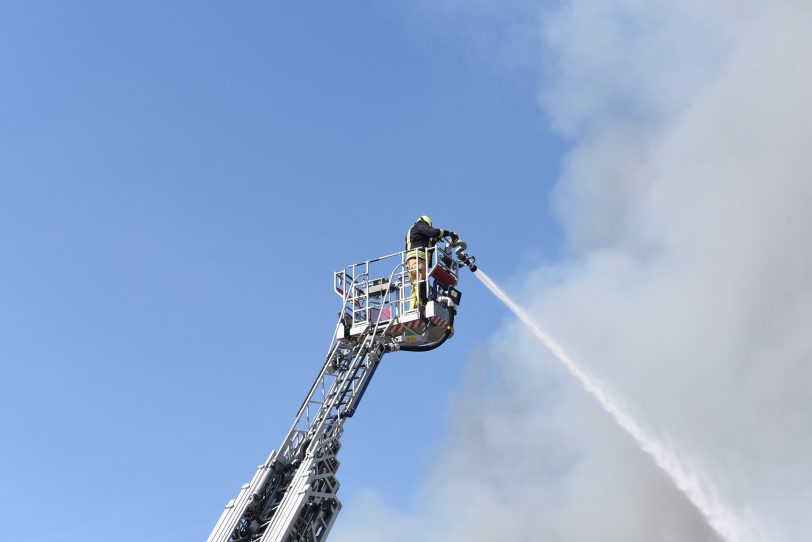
[
  {"x": 351, "y": 298},
  {"x": 388, "y": 293}
]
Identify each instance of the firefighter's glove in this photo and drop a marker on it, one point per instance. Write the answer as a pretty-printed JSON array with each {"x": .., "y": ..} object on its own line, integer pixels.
[{"x": 453, "y": 235}]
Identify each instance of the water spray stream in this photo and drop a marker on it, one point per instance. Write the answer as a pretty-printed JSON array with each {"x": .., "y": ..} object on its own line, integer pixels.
[{"x": 721, "y": 520}]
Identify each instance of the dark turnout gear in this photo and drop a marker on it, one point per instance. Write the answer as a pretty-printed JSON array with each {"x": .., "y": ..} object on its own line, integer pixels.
[{"x": 420, "y": 237}]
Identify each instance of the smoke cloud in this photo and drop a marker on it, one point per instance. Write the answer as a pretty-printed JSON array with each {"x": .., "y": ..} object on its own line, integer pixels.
[{"x": 688, "y": 291}]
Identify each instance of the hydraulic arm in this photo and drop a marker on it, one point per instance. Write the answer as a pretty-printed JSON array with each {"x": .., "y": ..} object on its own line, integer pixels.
[{"x": 293, "y": 494}]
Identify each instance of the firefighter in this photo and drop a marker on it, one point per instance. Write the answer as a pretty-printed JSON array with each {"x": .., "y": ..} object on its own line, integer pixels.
[{"x": 420, "y": 239}]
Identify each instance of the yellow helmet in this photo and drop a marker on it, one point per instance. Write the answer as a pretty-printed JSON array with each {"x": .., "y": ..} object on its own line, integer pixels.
[{"x": 425, "y": 219}]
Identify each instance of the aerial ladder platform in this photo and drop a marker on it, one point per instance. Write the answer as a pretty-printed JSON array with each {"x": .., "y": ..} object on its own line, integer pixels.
[{"x": 293, "y": 495}]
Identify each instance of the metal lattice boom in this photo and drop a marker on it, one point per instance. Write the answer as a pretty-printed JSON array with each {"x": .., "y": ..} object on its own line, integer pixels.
[{"x": 293, "y": 494}]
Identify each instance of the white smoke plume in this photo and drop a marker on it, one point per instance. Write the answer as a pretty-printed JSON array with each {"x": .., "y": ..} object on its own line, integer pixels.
[{"x": 688, "y": 291}]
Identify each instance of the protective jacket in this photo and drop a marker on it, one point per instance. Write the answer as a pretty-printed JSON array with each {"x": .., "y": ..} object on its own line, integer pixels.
[{"x": 421, "y": 235}]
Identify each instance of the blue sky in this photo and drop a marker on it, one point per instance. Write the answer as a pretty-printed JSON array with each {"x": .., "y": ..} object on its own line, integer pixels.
[{"x": 179, "y": 181}]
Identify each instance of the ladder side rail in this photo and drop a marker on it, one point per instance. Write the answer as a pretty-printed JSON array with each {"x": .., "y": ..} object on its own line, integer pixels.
[
  {"x": 317, "y": 437},
  {"x": 335, "y": 395},
  {"x": 351, "y": 383},
  {"x": 306, "y": 433},
  {"x": 291, "y": 503},
  {"x": 357, "y": 385},
  {"x": 310, "y": 485},
  {"x": 291, "y": 442},
  {"x": 318, "y": 395},
  {"x": 230, "y": 517},
  {"x": 214, "y": 536},
  {"x": 314, "y": 522},
  {"x": 288, "y": 522},
  {"x": 304, "y": 420},
  {"x": 310, "y": 504},
  {"x": 296, "y": 436},
  {"x": 241, "y": 512},
  {"x": 235, "y": 509},
  {"x": 358, "y": 388},
  {"x": 331, "y": 351},
  {"x": 331, "y": 408},
  {"x": 350, "y": 389}
]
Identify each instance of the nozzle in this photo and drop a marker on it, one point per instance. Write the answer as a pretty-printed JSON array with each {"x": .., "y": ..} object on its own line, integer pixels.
[{"x": 460, "y": 247}]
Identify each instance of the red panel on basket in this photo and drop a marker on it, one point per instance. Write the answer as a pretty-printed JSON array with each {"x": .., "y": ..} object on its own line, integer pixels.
[{"x": 443, "y": 276}]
